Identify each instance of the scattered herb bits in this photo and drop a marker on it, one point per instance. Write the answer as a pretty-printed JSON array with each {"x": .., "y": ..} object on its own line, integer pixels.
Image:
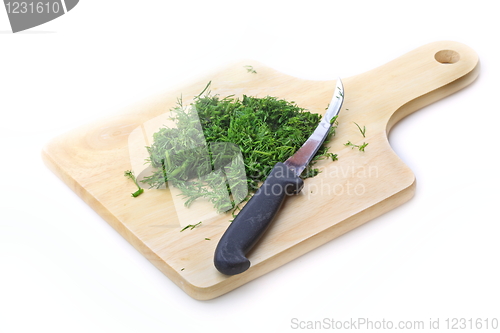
[
  {"x": 130, "y": 174},
  {"x": 362, "y": 130},
  {"x": 191, "y": 226},
  {"x": 360, "y": 147},
  {"x": 333, "y": 156},
  {"x": 250, "y": 69}
]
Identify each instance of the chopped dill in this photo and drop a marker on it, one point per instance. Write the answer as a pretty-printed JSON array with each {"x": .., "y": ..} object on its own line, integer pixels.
[
  {"x": 250, "y": 69},
  {"x": 363, "y": 131},
  {"x": 362, "y": 147},
  {"x": 352, "y": 145},
  {"x": 333, "y": 120},
  {"x": 130, "y": 174},
  {"x": 333, "y": 156},
  {"x": 190, "y": 226},
  {"x": 262, "y": 131}
]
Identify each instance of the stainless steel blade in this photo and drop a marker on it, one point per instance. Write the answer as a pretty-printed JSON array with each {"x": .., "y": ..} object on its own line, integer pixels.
[{"x": 302, "y": 157}]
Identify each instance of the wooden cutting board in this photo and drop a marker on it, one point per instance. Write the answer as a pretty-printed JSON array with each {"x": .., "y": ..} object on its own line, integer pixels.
[{"x": 358, "y": 187}]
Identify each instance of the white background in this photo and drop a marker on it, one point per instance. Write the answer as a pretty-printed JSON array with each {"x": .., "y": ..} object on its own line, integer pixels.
[{"x": 64, "y": 269}]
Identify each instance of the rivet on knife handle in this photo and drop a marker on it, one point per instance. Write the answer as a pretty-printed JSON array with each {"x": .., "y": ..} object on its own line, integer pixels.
[{"x": 284, "y": 180}]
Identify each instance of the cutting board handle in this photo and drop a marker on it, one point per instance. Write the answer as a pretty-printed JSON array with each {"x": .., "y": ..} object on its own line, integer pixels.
[{"x": 412, "y": 81}]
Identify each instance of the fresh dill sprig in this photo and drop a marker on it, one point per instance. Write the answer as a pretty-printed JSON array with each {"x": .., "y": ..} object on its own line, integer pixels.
[
  {"x": 190, "y": 226},
  {"x": 340, "y": 92},
  {"x": 130, "y": 174},
  {"x": 363, "y": 131},
  {"x": 333, "y": 120},
  {"x": 362, "y": 147},
  {"x": 333, "y": 156},
  {"x": 250, "y": 69},
  {"x": 352, "y": 145}
]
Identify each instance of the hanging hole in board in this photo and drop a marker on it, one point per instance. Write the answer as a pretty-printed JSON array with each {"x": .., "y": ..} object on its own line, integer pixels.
[{"x": 447, "y": 56}]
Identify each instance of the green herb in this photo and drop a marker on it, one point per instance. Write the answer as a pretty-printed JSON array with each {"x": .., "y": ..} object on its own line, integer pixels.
[
  {"x": 130, "y": 174},
  {"x": 250, "y": 69},
  {"x": 333, "y": 120},
  {"x": 190, "y": 226},
  {"x": 182, "y": 269},
  {"x": 261, "y": 131},
  {"x": 207, "y": 238},
  {"x": 352, "y": 145},
  {"x": 363, "y": 131},
  {"x": 333, "y": 156},
  {"x": 362, "y": 147}
]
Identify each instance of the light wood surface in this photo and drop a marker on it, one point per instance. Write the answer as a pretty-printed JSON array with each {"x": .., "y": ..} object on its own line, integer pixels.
[{"x": 358, "y": 187}]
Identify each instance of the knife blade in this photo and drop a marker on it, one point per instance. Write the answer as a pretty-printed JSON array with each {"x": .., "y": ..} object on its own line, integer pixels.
[{"x": 284, "y": 180}]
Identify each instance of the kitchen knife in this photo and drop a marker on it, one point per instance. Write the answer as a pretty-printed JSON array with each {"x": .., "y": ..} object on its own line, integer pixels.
[{"x": 284, "y": 180}]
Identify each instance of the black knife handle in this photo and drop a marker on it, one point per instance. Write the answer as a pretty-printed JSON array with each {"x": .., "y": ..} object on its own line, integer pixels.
[{"x": 253, "y": 220}]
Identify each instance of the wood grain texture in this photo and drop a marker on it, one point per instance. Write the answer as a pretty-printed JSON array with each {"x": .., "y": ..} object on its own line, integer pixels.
[{"x": 347, "y": 193}]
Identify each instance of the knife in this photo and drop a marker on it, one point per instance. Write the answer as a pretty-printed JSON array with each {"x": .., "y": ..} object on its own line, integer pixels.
[{"x": 284, "y": 180}]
